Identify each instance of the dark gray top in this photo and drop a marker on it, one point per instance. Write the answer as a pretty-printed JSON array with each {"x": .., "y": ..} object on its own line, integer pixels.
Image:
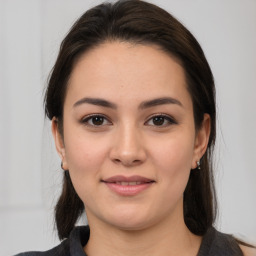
[{"x": 214, "y": 243}]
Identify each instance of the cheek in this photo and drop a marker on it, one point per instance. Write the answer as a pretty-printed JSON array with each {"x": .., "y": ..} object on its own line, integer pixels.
[
  {"x": 85, "y": 158},
  {"x": 174, "y": 157},
  {"x": 85, "y": 155}
]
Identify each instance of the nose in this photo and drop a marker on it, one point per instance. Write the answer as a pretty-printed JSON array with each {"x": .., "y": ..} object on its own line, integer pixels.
[{"x": 128, "y": 148}]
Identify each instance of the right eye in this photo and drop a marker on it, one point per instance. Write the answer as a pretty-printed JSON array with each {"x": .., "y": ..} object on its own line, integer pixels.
[{"x": 96, "y": 120}]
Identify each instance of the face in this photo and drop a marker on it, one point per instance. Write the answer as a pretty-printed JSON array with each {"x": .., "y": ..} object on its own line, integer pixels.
[{"x": 129, "y": 138}]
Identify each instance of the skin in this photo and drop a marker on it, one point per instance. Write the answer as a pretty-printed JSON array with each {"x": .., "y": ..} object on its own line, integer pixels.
[
  {"x": 128, "y": 142},
  {"x": 247, "y": 251}
]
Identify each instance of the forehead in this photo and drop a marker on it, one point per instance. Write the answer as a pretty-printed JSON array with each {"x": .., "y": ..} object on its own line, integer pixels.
[{"x": 122, "y": 70}]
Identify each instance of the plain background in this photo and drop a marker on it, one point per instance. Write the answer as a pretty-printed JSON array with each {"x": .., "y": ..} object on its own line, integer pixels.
[{"x": 30, "y": 35}]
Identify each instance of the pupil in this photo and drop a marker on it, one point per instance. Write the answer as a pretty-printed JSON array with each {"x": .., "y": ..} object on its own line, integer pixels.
[
  {"x": 97, "y": 120},
  {"x": 159, "y": 120}
]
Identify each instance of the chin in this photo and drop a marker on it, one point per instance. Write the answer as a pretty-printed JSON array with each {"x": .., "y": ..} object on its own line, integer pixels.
[
  {"x": 131, "y": 220},
  {"x": 131, "y": 225}
]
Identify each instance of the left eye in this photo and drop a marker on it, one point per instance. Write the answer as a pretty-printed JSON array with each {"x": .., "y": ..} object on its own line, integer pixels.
[
  {"x": 161, "y": 120},
  {"x": 95, "y": 120}
]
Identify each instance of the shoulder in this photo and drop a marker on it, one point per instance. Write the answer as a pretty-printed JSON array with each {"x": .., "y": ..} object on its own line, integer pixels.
[
  {"x": 61, "y": 249},
  {"x": 217, "y": 243},
  {"x": 70, "y": 246},
  {"x": 248, "y": 251}
]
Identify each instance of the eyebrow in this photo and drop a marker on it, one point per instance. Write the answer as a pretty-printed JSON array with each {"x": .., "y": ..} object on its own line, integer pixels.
[
  {"x": 143, "y": 105},
  {"x": 97, "y": 102},
  {"x": 159, "y": 101}
]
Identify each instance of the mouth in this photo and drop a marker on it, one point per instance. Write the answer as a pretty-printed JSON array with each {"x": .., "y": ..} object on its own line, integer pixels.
[
  {"x": 128, "y": 186},
  {"x": 132, "y": 183},
  {"x": 128, "y": 181}
]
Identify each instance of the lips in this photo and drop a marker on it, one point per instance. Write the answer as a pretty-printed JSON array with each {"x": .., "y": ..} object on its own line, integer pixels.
[
  {"x": 133, "y": 180},
  {"x": 124, "y": 183},
  {"x": 128, "y": 186}
]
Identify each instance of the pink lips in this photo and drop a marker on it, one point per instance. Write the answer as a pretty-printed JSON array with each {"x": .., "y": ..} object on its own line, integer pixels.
[{"x": 128, "y": 186}]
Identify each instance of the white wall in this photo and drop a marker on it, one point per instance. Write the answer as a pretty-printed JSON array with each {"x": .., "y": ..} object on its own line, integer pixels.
[{"x": 30, "y": 34}]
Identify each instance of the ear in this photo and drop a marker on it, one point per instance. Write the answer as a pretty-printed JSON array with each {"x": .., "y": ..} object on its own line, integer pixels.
[
  {"x": 201, "y": 140},
  {"x": 59, "y": 143}
]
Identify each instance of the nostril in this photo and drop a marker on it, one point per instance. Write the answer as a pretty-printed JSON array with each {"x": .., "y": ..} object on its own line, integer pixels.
[
  {"x": 127, "y": 156},
  {"x": 127, "y": 162}
]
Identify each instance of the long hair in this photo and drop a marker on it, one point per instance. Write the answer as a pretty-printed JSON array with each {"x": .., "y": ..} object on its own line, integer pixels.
[{"x": 139, "y": 22}]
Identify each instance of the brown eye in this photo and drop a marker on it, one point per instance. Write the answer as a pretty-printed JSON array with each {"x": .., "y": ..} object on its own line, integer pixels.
[
  {"x": 95, "y": 120},
  {"x": 158, "y": 120},
  {"x": 161, "y": 121}
]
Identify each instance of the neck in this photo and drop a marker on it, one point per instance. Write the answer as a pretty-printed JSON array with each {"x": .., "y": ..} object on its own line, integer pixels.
[{"x": 161, "y": 239}]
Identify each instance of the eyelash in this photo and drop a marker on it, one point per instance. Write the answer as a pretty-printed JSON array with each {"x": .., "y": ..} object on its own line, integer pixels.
[
  {"x": 170, "y": 120},
  {"x": 90, "y": 117}
]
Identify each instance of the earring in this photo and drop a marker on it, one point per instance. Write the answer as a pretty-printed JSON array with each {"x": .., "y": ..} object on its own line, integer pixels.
[{"x": 198, "y": 165}]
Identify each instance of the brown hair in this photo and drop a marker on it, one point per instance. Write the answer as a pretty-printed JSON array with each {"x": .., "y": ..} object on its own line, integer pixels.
[{"x": 139, "y": 22}]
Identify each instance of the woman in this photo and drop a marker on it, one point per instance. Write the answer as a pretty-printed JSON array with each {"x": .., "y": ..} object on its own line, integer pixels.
[{"x": 132, "y": 103}]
